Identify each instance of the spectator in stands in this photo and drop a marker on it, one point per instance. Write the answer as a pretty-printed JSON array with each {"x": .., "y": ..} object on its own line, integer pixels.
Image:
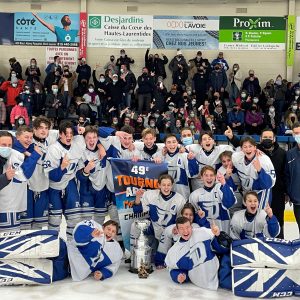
[
  {"x": 279, "y": 95},
  {"x": 93, "y": 100},
  {"x": 130, "y": 83},
  {"x": 38, "y": 100},
  {"x": 2, "y": 113},
  {"x": 15, "y": 68},
  {"x": 159, "y": 95},
  {"x": 19, "y": 115},
  {"x": 180, "y": 76},
  {"x": 218, "y": 79},
  {"x": 54, "y": 72},
  {"x": 83, "y": 70},
  {"x": 199, "y": 61},
  {"x": 33, "y": 72},
  {"x": 159, "y": 66},
  {"x": 220, "y": 119},
  {"x": 251, "y": 84},
  {"x": 145, "y": 91},
  {"x": 26, "y": 98},
  {"x": 236, "y": 119},
  {"x": 254, "y": 120},
  {"x": 176, "y": 60},
  {"x": 54, "y": 66},
  {"x": 124, "y": 60},
  {"x": 235, "y": 83},
  {"x": 111, "y": 65},
  {"x": 293, "y": 173},
  {"x": 115, "y": 92},
  {"x": 272, "y": 119},
  {"x": 200, "y": 84},
  {"x": 221, "y": 61},
  {"x": 66, "y": 84},
  {"x": 216, "y": 101},
  {"x": 289, "y": 122}
]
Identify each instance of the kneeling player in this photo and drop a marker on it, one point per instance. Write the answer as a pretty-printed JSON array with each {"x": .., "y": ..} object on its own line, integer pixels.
[
  {"x": 193, "y": 256},
  {"x": 94, "y": 250}
]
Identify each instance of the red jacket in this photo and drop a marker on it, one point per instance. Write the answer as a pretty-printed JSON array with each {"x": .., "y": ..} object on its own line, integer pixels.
[
  {"x": 12, "y": 92},
  {"x": 19, "y": 111}
]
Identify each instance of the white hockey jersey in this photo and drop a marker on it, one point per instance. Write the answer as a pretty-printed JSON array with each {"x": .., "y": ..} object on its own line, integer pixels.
[
  {"x": 251, "y": 180},
  {"x": 162, "y": 211},
  {"x": 87, "y": 254},
  {"x": 196, "y": 257},
  {"x": 56, "y": 153}
]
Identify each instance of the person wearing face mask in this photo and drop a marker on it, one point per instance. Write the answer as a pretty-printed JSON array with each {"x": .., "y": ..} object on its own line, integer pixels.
[
  {"x": 180, "y": 76},
  {"x": 55, "y": 105},
  {"x": 292, "y": 173},
  {"x": 195, "y": 120},
  {"x": 200, "y": 85},
  {"x": 145, "y": 90},
  {"x": 15, "y": 68},
  {"x": 55, "y": 73},
  {"x": 279, "y": 95},
  {"x": 54, "y": 66},
  {"x": 26, "y": 98},
  {"x": 251, "y": 84},
  {"x": 66, "y": 84},
  {"x": 111, "y": 65},
  {"x": 235, "y": 83},
  {"x": 63, "y": 34},
  {"x": 220, "y": 119},
  {"x": 33, "y": 72},
  {"x": 124, "y": 60},
  {"x": 18, "y": 112},
  {"x": 12, "y": 89},
  {"x": 159, "y": 66},
  {"x": 83, "y": 70},
  {"x": 236, "y": 118},
  {"x": 93, "y": 100},
  {"x": 216, "y": 100},
  {"x": 159, "y": 95},
  {"x": 149, "y": 61},
  {"x": 272, "y": 119},
  {"x": 289, "y": 122},
  {"x": 244, "y": 101},
  {"x": 115, "y": 93},
  {"x": 221, "y": 61},
  {"x": 175, "y": 97},
  {"x": 253, "y": 120},
  {"x": 218, "y": 80},
  {"x": 130, "y": 83},
  {"x": 177, "y": 60}
]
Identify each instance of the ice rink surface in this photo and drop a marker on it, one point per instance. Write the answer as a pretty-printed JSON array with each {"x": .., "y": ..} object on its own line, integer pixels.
[{"x": 124, "y": 285}]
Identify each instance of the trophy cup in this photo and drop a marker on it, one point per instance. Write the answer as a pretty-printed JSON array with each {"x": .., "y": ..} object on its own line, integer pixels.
[{"x": 141, "y": 252}]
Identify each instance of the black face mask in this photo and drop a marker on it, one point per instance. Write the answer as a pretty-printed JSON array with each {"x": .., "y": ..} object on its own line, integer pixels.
[
  {"x": 234, "y": 109},
  {"x": 216, "y": 97},
  {"x": 112, "y": 59},
  {"x": 267, "y": 143},
  {"x": 293, "y": 119}
]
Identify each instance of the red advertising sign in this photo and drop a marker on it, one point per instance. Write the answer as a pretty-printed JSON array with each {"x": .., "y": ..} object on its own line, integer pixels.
[{"x": 83, "y": 34}]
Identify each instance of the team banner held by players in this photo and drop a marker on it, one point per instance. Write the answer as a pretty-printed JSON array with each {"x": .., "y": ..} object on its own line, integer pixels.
[
  {"x": 128, "y": 177},
  {"x": 252, "y": 33},
  {"x": 68, "y": 56},
  {"x": 185, "y": 32},
  {"x": 120, "y": 31},
  {"x": 46, "y": 29}
]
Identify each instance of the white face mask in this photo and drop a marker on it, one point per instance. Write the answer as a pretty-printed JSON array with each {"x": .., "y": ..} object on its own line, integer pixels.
[
  {"x": 102, "y": 79},
  {"x": 27, "y": 92},
  {"x": 14, "y": 84},
  {"x": 54, "y": 91},
  {"x": 272, "y": 109},
  {"x": 255, "y": 100},
  {"x": 21, "y": 104},
  {"x": 37, "y": 91},
  {"x": 294, "y": 107},
  {"x": 115, "y": 80},
  {"x": 5, "y": 152},
  {"x": 91, "y": 90}
]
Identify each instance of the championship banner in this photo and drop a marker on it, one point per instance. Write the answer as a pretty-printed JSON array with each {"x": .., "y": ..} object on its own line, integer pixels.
[
  {"x": 46, "y": 29},
  {"x": 83, "y": 34},
  {"x": 120, "y": 31},
  {"x": 7, "y": 29},
  {"x": 68, "y": 56},
  {"x": 186, "y": 32},
  {"x": 129, "y": 177},
  {"x": 252, "y": 33}
]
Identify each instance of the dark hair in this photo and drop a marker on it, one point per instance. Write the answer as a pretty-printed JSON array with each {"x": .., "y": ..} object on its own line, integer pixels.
[
  {"x": 6, "y": 133},
  {"x": 39, "y": 120},
  {"x": 23, "y": 128},
  {"x": 56, "y": 57},
  {"x": 207, "y": 168},
  {"x": 249, "y": 139},
  {"x": 64, "y": 125},
  {"x": 111, "y": 222},
  {"x": 296, "y": 125},
  {"x": 268, "y": 129},
  {"x": 165, "y": 176},
  {"x": 209, "y": 133},
  {"x": 90, "y": 129},
  {"x": 182, "y": 220},
  {"x": 187, "y": 206},
  {"x": 170, "y": 135},
  {"x": 186, "y": 128},
  {"x": 250, "y": 193},
  {"x": 127, "y": 129},
  {"x": 62, "y": 20}
]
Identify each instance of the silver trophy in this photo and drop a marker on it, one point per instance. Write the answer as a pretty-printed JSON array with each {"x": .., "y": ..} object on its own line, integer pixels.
[{"x": 141, "y": 252}]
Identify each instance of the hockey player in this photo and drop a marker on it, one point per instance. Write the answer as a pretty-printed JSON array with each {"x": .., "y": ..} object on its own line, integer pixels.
[
  {"x": 232, "y": 178},
  {"x": 94, "y": 250},
  {"x": 170, "y": 234},
  {"x": 92, "y": 174},
  {"x": 252, "y": 221},
  {"x": 214, "y": 198},
  {"x": 17, "y": 170},
  {"x": 193, "y": 256},
  {"x": 181, "y": 166},
  {"x": 163, "y": 205},
  {"x": 36, "y": 216},
  {"x": 60, "y": 164},
  {"x": 256, "y": 172}
]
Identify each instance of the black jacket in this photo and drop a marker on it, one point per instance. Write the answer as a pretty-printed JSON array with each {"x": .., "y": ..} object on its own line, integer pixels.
[{"x": 3, "y": 180}]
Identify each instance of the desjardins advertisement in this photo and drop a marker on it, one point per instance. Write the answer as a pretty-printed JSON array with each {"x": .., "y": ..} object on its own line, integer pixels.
[{"x": 252, "y": 33}]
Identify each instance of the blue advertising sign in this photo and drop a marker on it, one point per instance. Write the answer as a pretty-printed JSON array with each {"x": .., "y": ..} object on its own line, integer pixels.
[{"x": 46, "y": 29}]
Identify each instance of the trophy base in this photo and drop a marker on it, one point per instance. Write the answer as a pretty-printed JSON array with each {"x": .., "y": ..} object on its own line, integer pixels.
[{"x": 136, "y": 271}]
